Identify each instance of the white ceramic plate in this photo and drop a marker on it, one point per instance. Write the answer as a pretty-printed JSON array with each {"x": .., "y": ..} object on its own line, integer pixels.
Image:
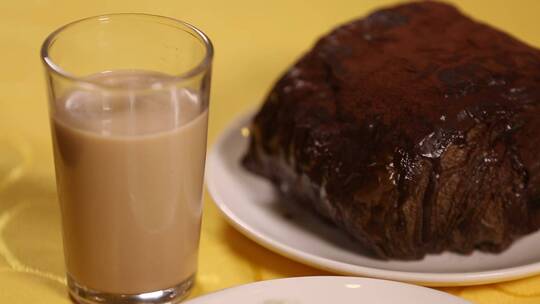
[
  {"x": 325, "y": 290},
  {"x": 250, "y": 205}
]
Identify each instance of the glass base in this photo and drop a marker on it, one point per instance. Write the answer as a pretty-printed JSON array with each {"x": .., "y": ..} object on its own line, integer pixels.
[{"x": 82, "y": 295}]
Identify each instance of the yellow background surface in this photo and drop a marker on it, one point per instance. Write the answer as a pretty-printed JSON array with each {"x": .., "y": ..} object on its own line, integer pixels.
[{"x": 255, "y": 41}]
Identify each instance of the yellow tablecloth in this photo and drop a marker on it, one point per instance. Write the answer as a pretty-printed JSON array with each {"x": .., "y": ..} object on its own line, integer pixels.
[{"x": 255, "y": 41}]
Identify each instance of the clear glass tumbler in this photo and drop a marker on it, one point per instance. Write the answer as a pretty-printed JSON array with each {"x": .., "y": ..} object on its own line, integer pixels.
[{"x": 128, "y": 102}]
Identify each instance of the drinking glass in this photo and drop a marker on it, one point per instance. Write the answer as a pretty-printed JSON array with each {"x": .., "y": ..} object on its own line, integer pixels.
[{"x": 128, "y": 105}]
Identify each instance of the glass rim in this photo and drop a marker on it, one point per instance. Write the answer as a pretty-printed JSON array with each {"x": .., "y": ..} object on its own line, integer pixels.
[{"x": 201, "y": 66}]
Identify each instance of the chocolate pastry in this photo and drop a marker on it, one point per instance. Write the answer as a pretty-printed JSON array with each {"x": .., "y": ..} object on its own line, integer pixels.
[{"x": 415, "y": 129}]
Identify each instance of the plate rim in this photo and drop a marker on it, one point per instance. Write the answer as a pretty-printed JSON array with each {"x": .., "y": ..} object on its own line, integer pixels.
[
  {"x": 433, "y": 279},
  {"x": 355, "y": 279}
]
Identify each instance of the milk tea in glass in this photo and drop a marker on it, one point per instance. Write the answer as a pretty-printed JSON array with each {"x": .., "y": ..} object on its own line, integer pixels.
[{"x": 128, "y": 103}]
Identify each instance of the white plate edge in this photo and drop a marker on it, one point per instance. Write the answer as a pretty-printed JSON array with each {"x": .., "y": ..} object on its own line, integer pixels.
[{"x": 305, "y": 278}]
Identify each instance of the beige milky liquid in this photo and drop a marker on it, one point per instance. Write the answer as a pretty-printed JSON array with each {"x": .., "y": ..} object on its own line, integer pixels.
[{"x": 129, "y": 167}]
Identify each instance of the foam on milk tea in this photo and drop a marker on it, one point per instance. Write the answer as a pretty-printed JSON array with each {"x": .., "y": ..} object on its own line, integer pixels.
[{"x": 129, "y": 166}]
